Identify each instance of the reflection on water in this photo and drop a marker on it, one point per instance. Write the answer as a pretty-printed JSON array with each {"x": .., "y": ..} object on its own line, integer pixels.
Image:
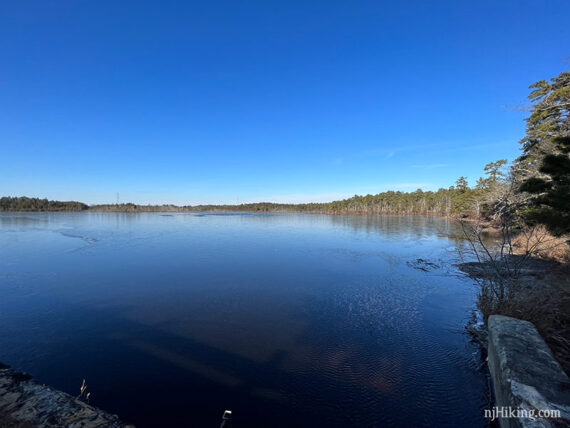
[{"x": 287, "y": 320}]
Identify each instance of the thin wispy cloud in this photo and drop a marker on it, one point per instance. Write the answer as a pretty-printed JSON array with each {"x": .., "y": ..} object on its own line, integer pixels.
[
  {"x": 399, "y": 186},
  {"x": 391, "y": 152},
  {"x": 337, "y": 161},
  {"x": 430, "y": 166},
  {"x": 447, "y": 147}
]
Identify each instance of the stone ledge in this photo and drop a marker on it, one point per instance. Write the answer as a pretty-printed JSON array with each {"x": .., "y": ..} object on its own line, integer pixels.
[
  {"x": 525, "y": 373},
  {"x": 27, "y": 403}
]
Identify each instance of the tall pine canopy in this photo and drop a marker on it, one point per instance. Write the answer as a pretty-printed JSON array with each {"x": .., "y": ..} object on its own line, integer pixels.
[
  {"x": 551, "y": 204},
  {"x": 549, "y": 119},
  {"x": 544, "y": 167}
]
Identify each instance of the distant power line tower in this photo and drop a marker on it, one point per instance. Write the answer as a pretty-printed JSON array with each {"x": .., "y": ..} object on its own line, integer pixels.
[{"x": 117, "y": 198}]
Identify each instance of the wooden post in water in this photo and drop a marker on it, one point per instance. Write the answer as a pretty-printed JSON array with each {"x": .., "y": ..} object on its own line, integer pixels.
[{"x": 226, "y": 419}]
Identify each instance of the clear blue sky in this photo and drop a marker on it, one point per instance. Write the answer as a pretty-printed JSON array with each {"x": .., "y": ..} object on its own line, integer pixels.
[{"x": 289, "y": 101}]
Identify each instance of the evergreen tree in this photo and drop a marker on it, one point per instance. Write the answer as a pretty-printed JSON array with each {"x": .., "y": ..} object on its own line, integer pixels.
[
  {"x": 551, "y": 205},
  {"x": 461, "y": 184},
  {"x": 548, "y": 120}
]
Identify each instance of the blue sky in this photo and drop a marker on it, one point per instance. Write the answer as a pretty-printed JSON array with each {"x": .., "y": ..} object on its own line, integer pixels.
[{"x": 288, "y": 101}]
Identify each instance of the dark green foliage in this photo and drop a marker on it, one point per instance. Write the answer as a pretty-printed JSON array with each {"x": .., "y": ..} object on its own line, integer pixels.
[
  {"x": 548, "y": 120},
  {"x": 544, "y": 168},
  {"x": 441, "y": 203},
  {"x": 23, "y": 203},
  {"x": 461, "y": 184},
  {"x": 495, "y": 170},
  {"x": 459, "y": 200},
  {"x": 551, "y": 204}
]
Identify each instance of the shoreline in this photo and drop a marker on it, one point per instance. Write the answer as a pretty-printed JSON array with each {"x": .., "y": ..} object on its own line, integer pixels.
[
  {"x": 542, "y": 298},
  {"x": 427, "y": 215},
  {"x": 25, "y": 402}
]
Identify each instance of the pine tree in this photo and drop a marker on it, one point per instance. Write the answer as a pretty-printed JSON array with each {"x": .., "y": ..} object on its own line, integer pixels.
[
  {"x": 549, "y": 119},
  {"x": 551, "y": 204}
]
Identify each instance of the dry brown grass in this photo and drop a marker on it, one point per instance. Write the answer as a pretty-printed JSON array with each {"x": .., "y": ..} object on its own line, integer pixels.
[
  {"x": 526, "y": 275},
  {"x": 544, "y": 300},
  {"x": 541, "y": 295},
  {"x": 536, "y": 241}
]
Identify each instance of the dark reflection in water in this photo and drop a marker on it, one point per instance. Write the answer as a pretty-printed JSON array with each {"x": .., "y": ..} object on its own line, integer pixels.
[{"x": 287, "y": 320}]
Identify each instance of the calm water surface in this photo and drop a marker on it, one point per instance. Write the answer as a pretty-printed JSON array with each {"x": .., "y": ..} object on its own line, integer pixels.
[{"x": 287, "y": 320}]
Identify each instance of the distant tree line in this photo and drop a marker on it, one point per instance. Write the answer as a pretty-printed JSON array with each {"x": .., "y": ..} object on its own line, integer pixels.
[
  {"x": 458, "y": 200},
  {"x": 445, "y": 202},
  {"x": 24, "y": 203},
  {"x": 134, "y": 208},
  {"x": 534, "y": 189}
]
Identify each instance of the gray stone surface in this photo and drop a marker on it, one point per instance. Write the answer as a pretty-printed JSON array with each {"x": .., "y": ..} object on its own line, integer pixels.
[
  {"x": 525, "y": 373},
  {"x": 27, "y": 403}
]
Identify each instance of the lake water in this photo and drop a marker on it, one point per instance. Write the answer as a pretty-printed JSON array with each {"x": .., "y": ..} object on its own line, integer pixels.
[{"x": 287, "y": 320}]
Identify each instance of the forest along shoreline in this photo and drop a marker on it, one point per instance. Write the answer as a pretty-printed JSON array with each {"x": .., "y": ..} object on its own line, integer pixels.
[{"x": 516, "y": 220}]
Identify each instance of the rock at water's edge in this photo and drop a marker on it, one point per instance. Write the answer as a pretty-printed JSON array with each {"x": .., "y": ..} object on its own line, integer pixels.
[
  {"x": 27, "y": 403},
  {"x": 525, "y": 373}
]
